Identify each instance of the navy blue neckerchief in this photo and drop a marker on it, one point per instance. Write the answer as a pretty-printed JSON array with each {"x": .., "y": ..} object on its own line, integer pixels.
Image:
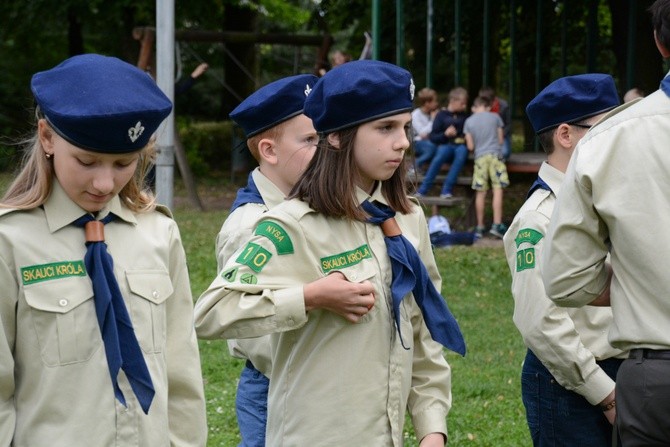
[
  {"x": 409, "y": 274},
  {"x": 121, "y": 346},
  {"x": 248, "y": 194},
  {"x": 665, "y": 85},
  {"x": 538, "y": 184}
]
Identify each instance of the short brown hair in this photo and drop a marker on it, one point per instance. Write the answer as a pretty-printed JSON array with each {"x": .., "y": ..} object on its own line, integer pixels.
[{"x": 426, "y": 95}]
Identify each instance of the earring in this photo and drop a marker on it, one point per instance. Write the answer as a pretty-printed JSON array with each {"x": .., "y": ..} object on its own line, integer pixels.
[{"x": 48, "y": 155}]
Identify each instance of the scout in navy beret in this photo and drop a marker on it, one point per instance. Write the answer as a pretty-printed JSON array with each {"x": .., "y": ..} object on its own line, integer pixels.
[
  {"x": 273, "y": 103},
  {"x": 357, "y": 92},
  {"x": 571, "y": 99},
  {"x": 100, "y": 103}
]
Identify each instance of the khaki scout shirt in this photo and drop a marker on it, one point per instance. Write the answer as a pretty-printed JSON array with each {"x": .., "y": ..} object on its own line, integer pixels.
[
  {"x": 333, "y": 382},
  {"x": 617, "y": 193},
  {"x": 235, "y": 232},
  {"x": 55, "y": 388},
  {"x": 567, "y": 341}
]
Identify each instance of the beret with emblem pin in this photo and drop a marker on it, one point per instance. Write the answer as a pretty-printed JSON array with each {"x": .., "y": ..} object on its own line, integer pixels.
[
  {"x": 273, "y": 103},
  {"x": 100, "y": 103},
  {"x": 357, "y": 92},
  {"x": 571, "y": 99}
]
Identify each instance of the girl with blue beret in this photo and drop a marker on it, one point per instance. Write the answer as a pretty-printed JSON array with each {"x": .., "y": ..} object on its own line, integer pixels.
[
  {"x": 97, "y": 345},
  {"x": 346, "y": 365}
]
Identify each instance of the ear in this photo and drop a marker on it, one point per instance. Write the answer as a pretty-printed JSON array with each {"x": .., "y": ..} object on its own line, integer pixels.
[
  {"x": 267, "y": 150},
  {"x": 661, "y": 48},
  {"x": 334, "y": 139},
  {"x": 46, "y": 136},
  {"x": 563, "y": 136}
]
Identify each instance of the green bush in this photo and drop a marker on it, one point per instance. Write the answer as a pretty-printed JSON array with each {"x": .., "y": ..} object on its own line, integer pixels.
[{"x": 214, "y": 146}]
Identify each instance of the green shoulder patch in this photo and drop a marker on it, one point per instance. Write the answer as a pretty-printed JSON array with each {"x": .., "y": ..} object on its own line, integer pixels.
[
  {"x": 528, "y": 235},
  {"x": 230, "y": 274},
  {"x": 277, "y": 235},
  {"x": 45, "y": 272},
  {"x": 346, "y": 259},
  {"x": 254, "y": 256},
  {"x": 248, "y": 278},
  {"x": 525, "y": 259}
]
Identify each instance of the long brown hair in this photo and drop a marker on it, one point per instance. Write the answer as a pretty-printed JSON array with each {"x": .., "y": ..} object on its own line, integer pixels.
[
  {"x": 32, "y": 185},
  {"x": 328, "y": 184}
]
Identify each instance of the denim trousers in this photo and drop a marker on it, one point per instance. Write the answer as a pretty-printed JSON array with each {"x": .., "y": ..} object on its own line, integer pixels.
[
  {"x": 457, "y": 155},
  {"x": 559, "y": 417},
  {"x": 251, "y": 406},
  {"x": 424, "y": 150}
]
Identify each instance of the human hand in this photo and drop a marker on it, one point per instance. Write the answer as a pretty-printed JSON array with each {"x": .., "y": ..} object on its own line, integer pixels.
[
  {"x": 608, "y": 405},
  {"x": 433, "y": 440},
  {"x": 200, "y": 69},
  {"x": 337, "y": 294},
  {"x": 451, "y": 131},
  {"x": 610, "y": 415}
]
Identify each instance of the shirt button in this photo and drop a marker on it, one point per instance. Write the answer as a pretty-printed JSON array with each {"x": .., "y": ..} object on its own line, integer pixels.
[
  {"x": 62, "y": 303},
  {"x": 155, "y": 294}
]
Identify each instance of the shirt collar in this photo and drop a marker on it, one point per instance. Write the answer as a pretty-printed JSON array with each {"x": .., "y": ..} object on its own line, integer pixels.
[
  {"x": 376, "y": 195},
  {"x": 551, "y": 176},
  {"x": 272, "y": 196},
  {"x": 61, "y": 211}
]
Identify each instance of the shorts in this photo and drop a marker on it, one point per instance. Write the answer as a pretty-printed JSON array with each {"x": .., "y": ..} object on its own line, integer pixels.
[{"x": 489, "y": 169}]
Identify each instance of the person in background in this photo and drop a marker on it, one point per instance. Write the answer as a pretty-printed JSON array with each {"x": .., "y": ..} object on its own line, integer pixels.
[
  {"x": 422, "y": 125},
  {"x": 633, "y": 94},
  {"x": 346, "y": 367},
  {"x": 614, "y": 202},
  {"x": 282, "y": 139},
  {"x": 484, "y": 136},
  {"x": 186, "y": 83},
  {"x": 567, "y": 379},
  {"x": 500, "y": 106},
  {"x": 447, "y": 134},
  {"x": 97, "y": 344}
]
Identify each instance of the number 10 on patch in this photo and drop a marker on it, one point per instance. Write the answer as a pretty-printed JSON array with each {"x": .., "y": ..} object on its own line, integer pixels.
[
  {"x": 525, "y": 259},
  {"x": 254, "y": 256}
]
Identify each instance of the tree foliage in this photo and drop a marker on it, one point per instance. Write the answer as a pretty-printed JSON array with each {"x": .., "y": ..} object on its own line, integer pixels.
[{"x": 575, "y": 37}]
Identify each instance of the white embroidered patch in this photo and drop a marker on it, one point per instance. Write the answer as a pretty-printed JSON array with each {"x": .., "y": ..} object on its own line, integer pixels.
[
  {"x": 308, "y": 89},
  {"x": 411, "y": 89},
  {"x": 135, "y": 132}
]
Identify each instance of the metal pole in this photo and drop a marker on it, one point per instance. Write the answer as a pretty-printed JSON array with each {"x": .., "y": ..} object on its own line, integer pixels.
[
  {"x": 429, "y": 44},
  {"x": 564, "y": 39},
  {"x": 512, "y": 59},
  {"x": 486, "y": 39},
  {"x": 457, "y": 44},
  {"x": 630, "y": 44},
  {"x": 399, "y": 33},
  {"x": 376, "y": 28},
  {"x": 165, "y": 80}
]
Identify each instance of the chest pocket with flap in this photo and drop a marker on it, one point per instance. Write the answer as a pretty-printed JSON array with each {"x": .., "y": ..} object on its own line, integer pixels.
[
  {"x": 149, "y": 291},
  {"x": 63, "y": 317}
]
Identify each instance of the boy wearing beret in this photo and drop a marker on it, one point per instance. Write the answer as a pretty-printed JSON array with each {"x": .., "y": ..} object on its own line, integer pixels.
[
  {"x": 282, "y": 139},
  {"x": 567, "y": 381},
  {"x": 615, "y": 203}
]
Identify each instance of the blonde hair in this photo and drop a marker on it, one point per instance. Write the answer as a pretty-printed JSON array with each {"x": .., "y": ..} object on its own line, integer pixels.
[
  {"x": 32, "y": 186},
  {"x": 457, "y": 93}
]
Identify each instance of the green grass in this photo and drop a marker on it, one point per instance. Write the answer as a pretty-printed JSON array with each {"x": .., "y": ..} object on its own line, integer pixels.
[{"x": 487, "y": 407}]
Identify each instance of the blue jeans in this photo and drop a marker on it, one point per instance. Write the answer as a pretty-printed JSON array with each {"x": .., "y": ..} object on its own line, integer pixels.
[
  {"x": 457, "y": 155},
  {"x": 424, "y": 150},
  {"x": 507, "y": 147},
  {"x": 251, "y": 405},
  {"x": 558, "y": 417}
]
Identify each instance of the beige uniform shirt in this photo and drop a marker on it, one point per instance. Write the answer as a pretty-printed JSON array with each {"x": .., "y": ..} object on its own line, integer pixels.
[
  {"x": 235, "y": 232},
  {"x": 617, "y": 191},
  {"x": 55, "y": 388},
  {"x": 567, "y": 341},
  {"x": 333, "y": 383}
]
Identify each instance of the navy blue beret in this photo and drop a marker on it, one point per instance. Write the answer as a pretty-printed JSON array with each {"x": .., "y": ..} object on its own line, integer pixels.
[
  {"x": 273, "y": 103},
  {"x": 101, "y": 103},
  {"x": 571, "y": 99},
  {"x": 357, "y": 92}
]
